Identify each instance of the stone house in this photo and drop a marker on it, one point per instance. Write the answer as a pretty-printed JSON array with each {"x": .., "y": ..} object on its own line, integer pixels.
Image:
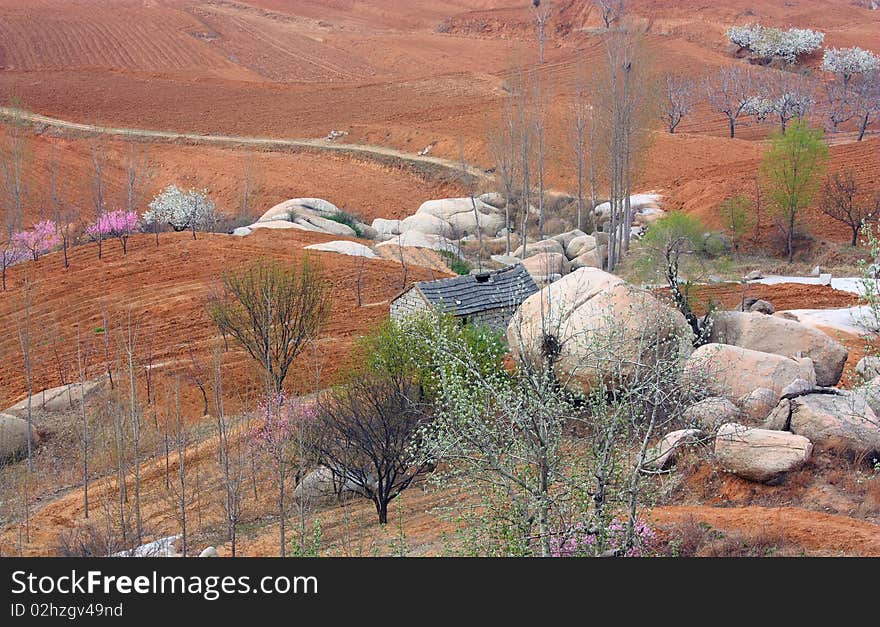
[{"x": 486, "y": 298}]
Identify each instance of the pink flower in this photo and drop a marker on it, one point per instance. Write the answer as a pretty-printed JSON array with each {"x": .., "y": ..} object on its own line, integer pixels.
[
  {"x": 40, "y": 239},
  {"x": 119, "y": 223}
]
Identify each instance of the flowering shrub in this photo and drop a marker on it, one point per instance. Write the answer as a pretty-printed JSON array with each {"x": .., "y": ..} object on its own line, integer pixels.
[
  {"x": 581, "y": 542},
  {"x": 182, "y": 209},
  {"x": 769, "y": 43},
  {"x": 283, "y": 417},
  {"x": 9, "y": 256},
  {"x": 119, "y": 224},
  {"x": 37, "y": 241},
  {"x": 850, "y": 61}
]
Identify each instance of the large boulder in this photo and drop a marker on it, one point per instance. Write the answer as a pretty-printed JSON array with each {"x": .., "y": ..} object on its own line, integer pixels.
[
  {"x": 321, "y": 485},
  {"x": 324, "y": 225},
  {"x": 566, "y": 237},
  {"x": 415, "y": 239},
  {"x": 580, "y": 245},
  {"x": 711, "y": 412},
  {"x": 546, "y": 264},
  {"x": 597, "y": 327},
  {"x": 59, "y": 399},
  {"x": 344, "y": 247},
  {"x": 493, "y": 199},
  {"x": 466, "y": 223},
  {"x": 289, "y": 209},
  {"x": 773, "y": 334},
  {"x": 838, "y": 418},
  {"x": 757, "y": 404},
  {"x": 427, "y": 224},
  {"x": 868, "y": 367},
  {"x": 870, "y": 391},
  {"x": 13, "y": 437},
  {"x": 664, "y": 453},
  {"x": 539, "y": 247},
  {"x": 594, "y": 258},
  {"x": 733, "y": 371},
  {"x": 759, "y": 454},
  {"x": 386, "y": 227},
  {"x": 446, "y": 208}
]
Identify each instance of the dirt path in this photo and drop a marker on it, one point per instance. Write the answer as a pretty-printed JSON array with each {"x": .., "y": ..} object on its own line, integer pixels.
[
  {"x": 426, "y": 164},
  {"x": 814, "y": 531}
]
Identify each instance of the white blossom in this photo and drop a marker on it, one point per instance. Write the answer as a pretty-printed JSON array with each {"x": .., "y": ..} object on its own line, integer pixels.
[
  {"x": 850, "y": 61},
  {"x": 182, "y": 209},
  {"x": 769, "y": 43}
]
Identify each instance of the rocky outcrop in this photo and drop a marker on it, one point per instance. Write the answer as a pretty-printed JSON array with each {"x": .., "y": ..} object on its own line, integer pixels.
[
  {"x": 836, "y": 417},
  {"x": 415, "y": 239},
  {"x": 344, "y": 247},
  {"x": 711, "y": 412},
  {"x": 580, "y": 245},
  {"x": 759, "y": 454},
  {"x": 757, "y": 404},
  {"x": 664, "y": 453},
  {"x": 597, "y": 327},
  {"x": 868, "y": 367},
  {"x": 14, "y": 437},
  {"x": 427, "y": 224},
  {"x": 772, "y": 334},
  {"x": 546, "y": 264},
  {"x": 733, "y": 371},
  {"x": 58, "y": 399},
  {"x": 537, "y": 248}
]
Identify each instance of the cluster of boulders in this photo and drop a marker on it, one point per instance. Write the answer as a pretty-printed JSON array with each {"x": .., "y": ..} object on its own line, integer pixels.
[
  {"x": 766, "y": 383},
  {"x": 170, "y": 546},
  {"x": 550, "y": 259}
]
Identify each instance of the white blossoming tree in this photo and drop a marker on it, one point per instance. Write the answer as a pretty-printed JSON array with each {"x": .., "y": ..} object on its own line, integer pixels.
[
  {"x": 849, "y": 62},
  {"x": 775, "y": 43},
  {"x": 181, "y": 209}
]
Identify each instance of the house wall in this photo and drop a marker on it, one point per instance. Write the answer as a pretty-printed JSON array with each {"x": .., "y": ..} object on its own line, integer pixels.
[
  {"x": 411, "y": 302},
  {"x": 407, "y": 304},
  {"x": 495, "y": 319}
]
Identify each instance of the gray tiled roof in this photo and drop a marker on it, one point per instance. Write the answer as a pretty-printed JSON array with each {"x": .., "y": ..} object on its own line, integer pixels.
[{"x": 466, "y": 295}]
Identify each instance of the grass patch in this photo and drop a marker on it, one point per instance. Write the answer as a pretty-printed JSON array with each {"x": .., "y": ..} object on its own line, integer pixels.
[
  {"x": 343, "y": 217},
  {"x": 455, "y": 263}
]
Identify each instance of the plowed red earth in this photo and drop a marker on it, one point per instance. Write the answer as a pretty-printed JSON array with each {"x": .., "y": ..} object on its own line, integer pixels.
[
  {"x": 403, "y": 74},
  {"x": 164, "y": 291}
]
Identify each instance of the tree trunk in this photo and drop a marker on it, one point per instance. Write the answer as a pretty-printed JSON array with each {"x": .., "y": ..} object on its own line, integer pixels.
[
  {"x": 381, "y": 510},
  {"x": 732, "y": 122},
  {"x": 863, "y": 126}
]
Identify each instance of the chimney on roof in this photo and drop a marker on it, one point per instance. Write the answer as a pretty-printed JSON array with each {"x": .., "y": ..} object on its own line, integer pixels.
[{"x": 483, "y": 277}]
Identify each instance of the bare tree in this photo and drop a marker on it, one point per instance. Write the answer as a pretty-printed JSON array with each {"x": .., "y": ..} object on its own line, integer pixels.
[
  {"x": 138, "y": 172},
  {"x": 181, "y": 465},
  {"x": 610, "y": 10},
  {"x": 82, "y": 355},
  {"x": 368, "y": 436},
  {"x": 99, "y": 163},
  {"x": 230, "y": 457},
  {"x": 540, "y": 122},
  {"x": 678, "y": 98},
  {"x": 793, "y": 98},
  {"x": 13, "y": 156},
  {"x": 542, "y": 13},
  {"x": 273, "y": 310},
  {"x": 866, "y": 99},
  {"x": 841, "y": 105},
  {"x": 843, "y": 201},
  {"x": 729, "y": 92},
  {"x": 468, "y": 179},
  {"x": 129, "y": 342},
  {"x": 24, "y": 338}
]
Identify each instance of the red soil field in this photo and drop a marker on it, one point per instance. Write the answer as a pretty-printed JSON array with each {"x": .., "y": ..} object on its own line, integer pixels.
[
  {"x": 395, "y": 73},
  {"x": 164, "y": 291}
]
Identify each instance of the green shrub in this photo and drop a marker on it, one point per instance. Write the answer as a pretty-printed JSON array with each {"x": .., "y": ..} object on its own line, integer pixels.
[
  {"x": 456, "y": 264},
  {"x": 343, "y": 217}
]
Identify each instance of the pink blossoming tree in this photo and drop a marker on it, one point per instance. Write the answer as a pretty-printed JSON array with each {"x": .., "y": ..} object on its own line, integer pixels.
[
  {"x": 282, "y": 437},
  {"x": 38, "y": 240},
  {"x": 120, "y": 224}
]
